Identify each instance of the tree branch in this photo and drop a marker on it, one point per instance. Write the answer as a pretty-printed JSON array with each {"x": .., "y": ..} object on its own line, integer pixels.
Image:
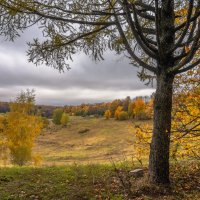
[
  {"x": 130, "y": 51},
  {"x": 188, "y": 67},
  {"x": 189, "y": 15},
  {"x": 137, "y": 33}
]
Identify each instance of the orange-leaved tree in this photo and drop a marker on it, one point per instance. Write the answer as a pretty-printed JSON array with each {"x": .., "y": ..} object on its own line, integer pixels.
[{"x": 139, "y": 109}]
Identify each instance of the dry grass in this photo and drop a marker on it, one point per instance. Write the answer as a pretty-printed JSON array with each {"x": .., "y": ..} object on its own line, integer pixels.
[{"x": 103, "y": 140}]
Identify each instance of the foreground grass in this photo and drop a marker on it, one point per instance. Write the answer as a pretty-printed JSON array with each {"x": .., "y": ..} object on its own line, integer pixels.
[{"x": 95, "y": 182}]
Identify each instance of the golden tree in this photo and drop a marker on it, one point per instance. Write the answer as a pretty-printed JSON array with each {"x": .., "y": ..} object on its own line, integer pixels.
[
  {"x": 20, "y": 128},
  {"x": 118, "y": 111}
]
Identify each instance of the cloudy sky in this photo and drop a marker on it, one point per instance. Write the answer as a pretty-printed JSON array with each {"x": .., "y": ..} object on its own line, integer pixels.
[{"x": 86, "y": 82}]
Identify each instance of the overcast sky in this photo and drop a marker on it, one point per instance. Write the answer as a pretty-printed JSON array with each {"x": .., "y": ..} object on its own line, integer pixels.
[{"x": 86, "y": 82}]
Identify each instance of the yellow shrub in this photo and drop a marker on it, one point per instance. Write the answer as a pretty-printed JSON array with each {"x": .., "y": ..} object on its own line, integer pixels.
[{"x": 107, "y": 114}]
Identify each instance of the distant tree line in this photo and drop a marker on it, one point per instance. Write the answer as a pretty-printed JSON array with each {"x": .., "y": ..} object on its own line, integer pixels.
[
  {"x": 139, "y": 108},
  {"x": 43, "y": 110},
  {"x": 133, "y": 108}
]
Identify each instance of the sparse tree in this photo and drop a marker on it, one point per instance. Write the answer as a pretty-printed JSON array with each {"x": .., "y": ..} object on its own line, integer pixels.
[{"x": 154, "y": 34}]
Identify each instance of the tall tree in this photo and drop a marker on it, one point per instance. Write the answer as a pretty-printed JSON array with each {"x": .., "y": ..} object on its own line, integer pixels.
[{"x": 160, "y": 36}]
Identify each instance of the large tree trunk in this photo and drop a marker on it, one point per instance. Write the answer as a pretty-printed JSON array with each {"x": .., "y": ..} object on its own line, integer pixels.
[{"x": 159, "y": 152}]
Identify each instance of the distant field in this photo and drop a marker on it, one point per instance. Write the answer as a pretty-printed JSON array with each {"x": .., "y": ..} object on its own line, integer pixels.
[{"x": 105, "y": 139}]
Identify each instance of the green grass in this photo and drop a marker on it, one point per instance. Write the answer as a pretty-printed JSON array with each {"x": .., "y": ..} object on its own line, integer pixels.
[
  {"x": 72, "y": 182},
  {"x": 79, "y": 182}
]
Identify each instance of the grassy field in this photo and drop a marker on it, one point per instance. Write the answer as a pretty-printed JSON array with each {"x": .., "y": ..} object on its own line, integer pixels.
[
  {"x": 95, "y": 182},
  {"x": 77, "y": 165},
  {"x": 103, "y": 140}
]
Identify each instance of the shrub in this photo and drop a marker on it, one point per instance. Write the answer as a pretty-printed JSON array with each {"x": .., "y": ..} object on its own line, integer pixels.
[
  {"x": 20, "y": 154},
  {"x": 123, "y": 115},
  {"x": 107, "y": 114},
  {"x": 57, "y": 115},
  {"x": 142, "y": 115},
  {"x": 64, "y": 119}
]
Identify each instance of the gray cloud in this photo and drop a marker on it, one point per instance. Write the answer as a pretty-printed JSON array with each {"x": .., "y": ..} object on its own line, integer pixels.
[{"x": 87, "y": 81}]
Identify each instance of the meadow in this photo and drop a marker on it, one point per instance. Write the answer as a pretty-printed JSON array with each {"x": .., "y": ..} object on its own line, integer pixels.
[
  {"x": 87, "y": 140},
  {"x": 91, "y": 159}
]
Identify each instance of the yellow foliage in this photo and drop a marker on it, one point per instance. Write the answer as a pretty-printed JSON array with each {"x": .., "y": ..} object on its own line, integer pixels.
[
  {"x": 185, "y": 132},
  {"x": 64, "y": 119},
  {"x": 20, "y": 128},
  {"x": 186, "y": 112},
  {"x": 140, "y": 109},
  {"x": 142, "y": 139},
  {"x": 118, "y": 111},
  {"x": 37, "y": 160},
  {"x": 107, "y": 114}
]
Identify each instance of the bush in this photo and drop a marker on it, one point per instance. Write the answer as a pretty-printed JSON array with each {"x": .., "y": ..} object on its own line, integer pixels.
[
  {"x": 123, "y": 115},
  {"x": 141, "y": 116},
  {"x": 64, "y": 119},
  {"x": 20, "y": 154},
  {"x": 107, "y": 114},
  {"x": 57, "y": 115}
]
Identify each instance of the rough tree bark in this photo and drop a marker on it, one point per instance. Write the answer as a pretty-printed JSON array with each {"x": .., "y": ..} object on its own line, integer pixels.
[{"x": 159, "y": 152}]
